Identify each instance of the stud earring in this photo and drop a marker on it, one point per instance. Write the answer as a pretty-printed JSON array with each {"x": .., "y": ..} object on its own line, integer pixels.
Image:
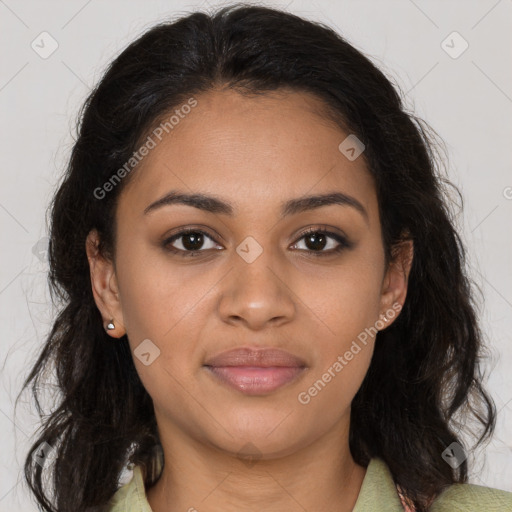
[{"x": 110, "y": 325}]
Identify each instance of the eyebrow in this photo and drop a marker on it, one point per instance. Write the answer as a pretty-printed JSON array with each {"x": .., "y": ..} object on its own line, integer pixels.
[{"x": 291, "y": 207}]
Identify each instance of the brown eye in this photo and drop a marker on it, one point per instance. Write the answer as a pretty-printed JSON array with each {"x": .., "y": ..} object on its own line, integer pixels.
[
  {"x": 323, "y": 243},
  {"x": 189, "y": 242}
]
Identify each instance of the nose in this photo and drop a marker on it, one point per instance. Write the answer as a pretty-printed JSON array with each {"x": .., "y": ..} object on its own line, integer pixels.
[{"x": 257, "y": 294}]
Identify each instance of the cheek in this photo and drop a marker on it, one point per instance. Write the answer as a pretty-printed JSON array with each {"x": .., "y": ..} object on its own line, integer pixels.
[
  {"x": 156, "y": 298},
  {"x": 347, "y": 307},
  {"x": 345, "y": 301},
  {"x": 168, "y": 307},
  {"x": 335, "y": 380}
]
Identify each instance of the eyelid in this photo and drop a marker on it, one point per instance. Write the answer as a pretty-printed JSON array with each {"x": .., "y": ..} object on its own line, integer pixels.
[
  {"x": 322, "y": 228},
  {"x": 195, "y": 228}
]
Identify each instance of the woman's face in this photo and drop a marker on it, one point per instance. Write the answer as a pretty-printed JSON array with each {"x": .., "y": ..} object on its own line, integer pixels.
[{"x": 257, "y": 279}]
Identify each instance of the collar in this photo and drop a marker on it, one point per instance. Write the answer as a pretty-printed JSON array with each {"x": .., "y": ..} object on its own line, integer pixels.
[{"x": 378, "y": 492}]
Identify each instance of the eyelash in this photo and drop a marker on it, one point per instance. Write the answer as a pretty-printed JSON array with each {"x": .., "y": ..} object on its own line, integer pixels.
[{"x": 342, "y": 241}]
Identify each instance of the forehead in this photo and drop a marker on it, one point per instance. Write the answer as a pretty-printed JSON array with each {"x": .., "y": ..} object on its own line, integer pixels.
[{"x": 254, "y": 150}]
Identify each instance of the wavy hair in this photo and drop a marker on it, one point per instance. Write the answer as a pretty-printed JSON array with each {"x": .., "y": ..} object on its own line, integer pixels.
[{"x": 425, "y": 371}]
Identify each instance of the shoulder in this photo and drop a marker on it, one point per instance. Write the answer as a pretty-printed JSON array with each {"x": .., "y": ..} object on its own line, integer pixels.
[
  {"x": 472, "y": 498},
  {"x": 378, "y": 492}
]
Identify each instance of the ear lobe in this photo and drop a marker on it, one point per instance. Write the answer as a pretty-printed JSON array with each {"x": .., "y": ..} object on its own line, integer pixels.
[
  {"x": 104, "y": 285},
  {"x": 394, "y": 288}
]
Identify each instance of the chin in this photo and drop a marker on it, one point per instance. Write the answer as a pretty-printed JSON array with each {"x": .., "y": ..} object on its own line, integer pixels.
[{"x": 261, "y": 441}]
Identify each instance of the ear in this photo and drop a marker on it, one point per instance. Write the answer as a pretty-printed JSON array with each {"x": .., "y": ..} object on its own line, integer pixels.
[
  {"x": 104, "y": 285},
  {"x": 394, "y": 284}
]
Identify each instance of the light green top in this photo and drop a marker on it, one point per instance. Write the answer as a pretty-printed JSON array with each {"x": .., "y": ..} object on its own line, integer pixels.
[{"x": 378, "y": 494}]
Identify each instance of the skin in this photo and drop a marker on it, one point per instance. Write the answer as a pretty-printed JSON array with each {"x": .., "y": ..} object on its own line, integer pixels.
[{"x": 254, "y": 153}]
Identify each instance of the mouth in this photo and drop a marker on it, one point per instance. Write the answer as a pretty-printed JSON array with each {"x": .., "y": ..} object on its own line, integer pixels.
[
  {"x": 252, "y": 380},
  {"x": 255, "y": 371}
]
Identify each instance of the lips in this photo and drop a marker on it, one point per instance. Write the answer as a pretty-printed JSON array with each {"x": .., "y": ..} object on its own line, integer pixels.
[
  {"x": 263, "y": 357},
  {"x": 255, "y": 371}
]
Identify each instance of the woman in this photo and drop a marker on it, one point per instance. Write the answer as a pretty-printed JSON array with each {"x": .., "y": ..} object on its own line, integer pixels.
[{"x": 265, "y": 304}]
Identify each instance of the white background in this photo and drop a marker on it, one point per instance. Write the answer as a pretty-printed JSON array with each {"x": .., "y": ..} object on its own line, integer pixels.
[{"x": 468, "y": 100}]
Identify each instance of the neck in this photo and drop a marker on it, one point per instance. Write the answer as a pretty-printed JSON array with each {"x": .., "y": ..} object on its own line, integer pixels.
[{"x": 321, "y": 476}]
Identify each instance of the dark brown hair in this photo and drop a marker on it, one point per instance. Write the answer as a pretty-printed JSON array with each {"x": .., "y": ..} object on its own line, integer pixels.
[{"x": 425, "y": 368}]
